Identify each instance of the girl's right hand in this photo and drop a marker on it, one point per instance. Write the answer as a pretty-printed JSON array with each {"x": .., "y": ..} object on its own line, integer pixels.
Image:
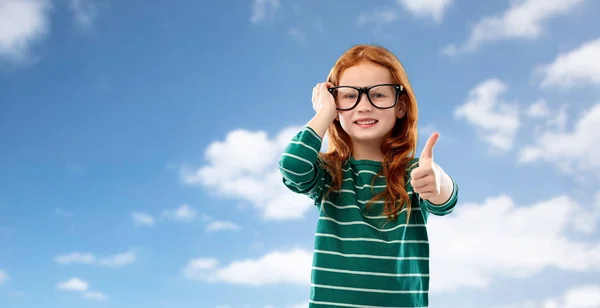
[{"x": 322, "y": 100}]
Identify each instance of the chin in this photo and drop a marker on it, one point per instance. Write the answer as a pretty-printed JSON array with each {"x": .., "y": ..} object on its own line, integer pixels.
[{"x": 367, "y": 136}]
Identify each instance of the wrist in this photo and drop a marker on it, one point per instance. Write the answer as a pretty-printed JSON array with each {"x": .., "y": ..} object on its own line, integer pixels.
[
  {"x": 446, "y": 190},
  {"x": 321, "y": 121}
]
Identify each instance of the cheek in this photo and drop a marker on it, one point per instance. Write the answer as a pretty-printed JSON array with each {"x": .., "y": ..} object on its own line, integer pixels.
[
  {"x": 390, "y": 118},
  {"x": 345, "y": 120}
]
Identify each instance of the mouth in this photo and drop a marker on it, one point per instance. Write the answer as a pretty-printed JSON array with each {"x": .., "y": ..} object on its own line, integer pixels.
[{"x": 365, "y": 121}]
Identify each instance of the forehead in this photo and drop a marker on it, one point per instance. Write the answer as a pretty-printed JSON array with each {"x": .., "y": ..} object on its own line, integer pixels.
[{"x": 365, "y": 74}]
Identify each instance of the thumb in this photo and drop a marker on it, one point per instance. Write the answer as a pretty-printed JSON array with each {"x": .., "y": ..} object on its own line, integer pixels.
[{"x": 427, "y": 152}]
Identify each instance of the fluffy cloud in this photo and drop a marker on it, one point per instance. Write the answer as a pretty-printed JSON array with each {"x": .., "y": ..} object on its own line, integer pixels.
[
  {"x": 22, "y": 23},
  {"x": 142, "y": 219},
  {"x": 73, "y": 284},
  {"x": 116, "y": 260},
  {"x": 460, "y": 257},
  {"x": 434, "y": 9},
  {"x": 244, "y": 166},
  {"x": 541, "y": 233},
  {"x": 221, "y": 225},
  {"x": 80, "y": 286},
  {"x": 495, "y": 120},
  {"x": 184, "y": 213},
  {"x": 575, "y": 68},
  {"x": 378, "y": 17},
  {"x": 522, "y": 20},
  {"x": 272, "y": 268},
  {"x": 571, "y": 151},
  {"x": 3, "y": 276},
  {"x": 84, "y": 12},
  {"x": 584, "y": 296},
  {"x": 263, "y": 9}
]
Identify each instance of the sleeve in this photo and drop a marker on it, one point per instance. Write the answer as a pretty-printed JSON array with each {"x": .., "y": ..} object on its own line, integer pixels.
[
  {"x": 444, "y": 208},
  {"x": 300, "y": 166},
  {"x": 437, "y": 209}
]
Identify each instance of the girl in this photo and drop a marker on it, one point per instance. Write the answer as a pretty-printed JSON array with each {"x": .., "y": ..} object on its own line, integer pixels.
[{"x": 371, "y": 245}]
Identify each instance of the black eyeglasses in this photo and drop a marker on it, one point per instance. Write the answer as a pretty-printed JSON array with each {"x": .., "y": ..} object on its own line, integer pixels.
[{"x": 381, "y": 96}]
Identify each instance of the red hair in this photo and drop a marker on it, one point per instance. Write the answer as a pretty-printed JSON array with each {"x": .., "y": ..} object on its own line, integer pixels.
[{"x": 398, "y": 148}]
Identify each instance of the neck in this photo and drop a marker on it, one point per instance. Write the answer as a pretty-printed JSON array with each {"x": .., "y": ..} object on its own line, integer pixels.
[{"x": 367, "y": 150}]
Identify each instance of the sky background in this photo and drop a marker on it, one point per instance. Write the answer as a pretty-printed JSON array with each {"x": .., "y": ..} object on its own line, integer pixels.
[{"x": 139, "y": 146}]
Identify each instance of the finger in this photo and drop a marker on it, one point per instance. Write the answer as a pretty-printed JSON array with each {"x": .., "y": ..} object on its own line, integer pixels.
[
  {"x": 420, "y": 184},
  {"x": 420, "y": 172},
  {"x": 428, "y": 149},
  {"x": 427, "y": 195}
]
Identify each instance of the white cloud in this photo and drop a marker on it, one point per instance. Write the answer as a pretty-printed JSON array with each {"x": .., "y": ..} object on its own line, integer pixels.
[
  {"x": 184, "y": 213},
  {"x": 116, "y": 260},
  {"x": 263, "y": 10},
  {"x": 81, "y": 286},
  {"x": 3, "y": 276},
  {"x": 22, "y": 23},
  {"x": 508, "y": 243},
  {"x": 434, "y": 9},
  {"x": 222, "y": 225},
  {"x": 524, "y": 19},
  {"x": 460, "y": 258},
  {"x": 538, "y": 110},
  {"x": 583, "y": 296},
  {"x": 297, "y": 34},
  {"x": 244, "y": 166},
  {"x": 379, "y": 17},
  {"x": 142, "y": 219},
  {"x": 571, "y": 151},
  {"x": 95, "y": 295},
  {"x": 84, "y": 12},
  {"x": 63, "y": 213},
  {"x": 575, "y": 68},
  {"x": 495, "y": 120},
  {"x": 73, "y": 284},
  {"x": 273, "y": 268}
]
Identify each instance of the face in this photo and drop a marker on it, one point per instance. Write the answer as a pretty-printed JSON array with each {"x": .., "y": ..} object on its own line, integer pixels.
[{"x": 366, "y": 122}]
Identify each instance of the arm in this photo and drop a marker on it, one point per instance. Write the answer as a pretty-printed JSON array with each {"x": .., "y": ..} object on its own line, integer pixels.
[
  {"x": 299, "y": 164},
  {"x": 445, "y": 202}
]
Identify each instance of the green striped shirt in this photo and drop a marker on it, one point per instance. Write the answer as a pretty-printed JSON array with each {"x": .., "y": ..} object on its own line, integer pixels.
[{"x": 360, "y": 258}]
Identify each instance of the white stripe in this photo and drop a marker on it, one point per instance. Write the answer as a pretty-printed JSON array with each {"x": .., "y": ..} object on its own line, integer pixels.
[
  {"x": 306, "y": 129},
  {"x": 350, "y": 206},
  {"x": 355, "y": 306},
  {"x": 347, "y": 223},
  {"x": 363, "y": 171},
  {"x": 349, "y": 255},
  {"x": 367, "y": 185},
  {"x": 413, "y": 165},
  {"x": 295, "y": 173},
  {"x": 366, "y": 239},
  {"x": 343, "y": 207},
  {"x": 324, "y": 269},
  {"x": 298, "y": 158},
  {"x": 363, "y": 187},
  {"x": 369, "y": 290},
  {"x": 306, "y": 145}
]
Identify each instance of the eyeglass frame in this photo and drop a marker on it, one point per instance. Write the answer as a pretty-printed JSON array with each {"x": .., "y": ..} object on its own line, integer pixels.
[{"x": 399, "y": 89}]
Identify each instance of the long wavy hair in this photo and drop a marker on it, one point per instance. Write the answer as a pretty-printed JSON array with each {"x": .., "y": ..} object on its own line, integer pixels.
[{"x": 398, "y": 148}]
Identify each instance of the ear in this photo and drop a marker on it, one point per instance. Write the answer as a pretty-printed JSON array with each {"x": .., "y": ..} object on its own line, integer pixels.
[{"x": 401, "y": 108}]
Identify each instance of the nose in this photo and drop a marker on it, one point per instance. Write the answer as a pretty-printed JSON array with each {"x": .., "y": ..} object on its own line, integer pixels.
[{"x": 363, "y": 103}]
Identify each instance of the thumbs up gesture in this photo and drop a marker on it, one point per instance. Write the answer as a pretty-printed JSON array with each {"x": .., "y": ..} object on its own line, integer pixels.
[{"x": 427, "y": 178}]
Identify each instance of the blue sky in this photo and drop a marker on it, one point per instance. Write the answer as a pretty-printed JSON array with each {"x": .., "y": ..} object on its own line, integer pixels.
[{"x": 138, "y": 147}]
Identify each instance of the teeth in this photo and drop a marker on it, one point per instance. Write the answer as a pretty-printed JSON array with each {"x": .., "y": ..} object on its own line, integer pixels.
[{"x": 366, "y": 122}]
